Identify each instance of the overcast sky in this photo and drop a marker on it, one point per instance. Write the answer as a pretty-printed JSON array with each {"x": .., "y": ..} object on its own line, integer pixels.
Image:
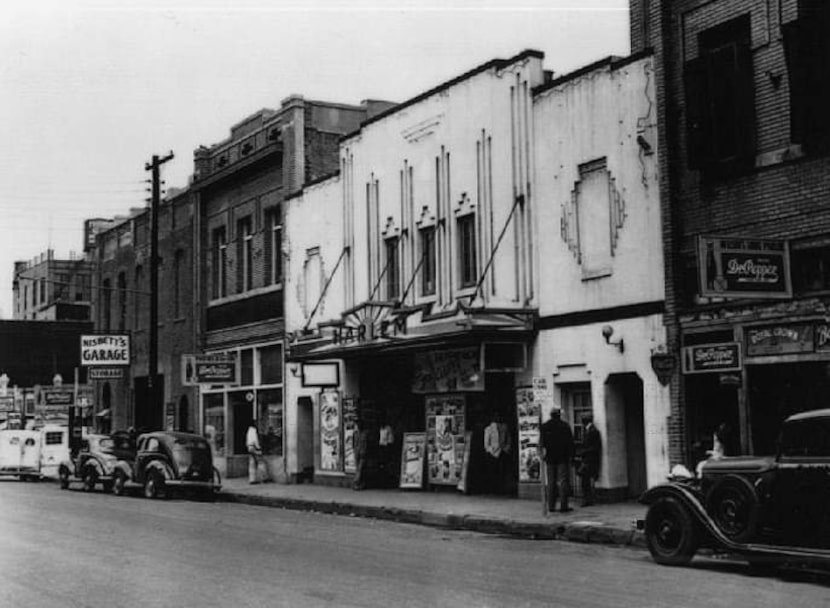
[{"x": 90, "y": 90}]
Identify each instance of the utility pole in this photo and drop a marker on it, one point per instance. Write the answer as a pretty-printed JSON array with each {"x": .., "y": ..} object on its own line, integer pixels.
[{"x": 154, "y": 404}]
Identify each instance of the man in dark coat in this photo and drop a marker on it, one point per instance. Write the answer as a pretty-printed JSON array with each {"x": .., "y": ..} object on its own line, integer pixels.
[
  {"x": 558, "y": 453},
  {"x": 589, "y": 453}
]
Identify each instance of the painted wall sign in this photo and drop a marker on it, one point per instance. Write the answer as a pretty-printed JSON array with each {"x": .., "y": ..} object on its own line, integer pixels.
[
  {"x": 105, "y": 349},
  {"x": 707, "y": 358},
  {"x": 744, "y": 267},
  {"x": 779, "y": 339}
]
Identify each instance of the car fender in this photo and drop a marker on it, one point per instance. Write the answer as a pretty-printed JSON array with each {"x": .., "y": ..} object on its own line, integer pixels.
[
  {"x": 689, "y": 497},
  {"x": 93, "y": 461},
  {"x": 124, "y": 467},
  {"x": 163, "y": 467}
]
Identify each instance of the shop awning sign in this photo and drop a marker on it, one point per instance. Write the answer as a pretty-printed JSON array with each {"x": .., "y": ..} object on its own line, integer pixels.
[
  {"x": 744, "y": 267},
  {"x": 218, "y": 368},
  {"x": 106, "y": 350},
  {"x": 708, "y": 358}
]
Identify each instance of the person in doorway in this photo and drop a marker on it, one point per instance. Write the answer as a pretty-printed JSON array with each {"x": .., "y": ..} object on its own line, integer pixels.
[
  {"x": 386, "y": 443},
  {"x": 558, "y": 453},
  {"x": 254, "y": 453},
  {"x": 590, "y": 454},
  {"x": 361, "y": 451}
]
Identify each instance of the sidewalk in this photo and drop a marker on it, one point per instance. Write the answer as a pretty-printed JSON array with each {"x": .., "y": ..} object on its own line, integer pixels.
[{"x": 607, "y": 523}]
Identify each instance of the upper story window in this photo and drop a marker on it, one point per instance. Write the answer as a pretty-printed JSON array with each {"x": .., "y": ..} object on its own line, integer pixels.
[
  {"x": 178, "y": 277},
  {"x": 720, "y": 100},
  {"x": 106, "y": 312},
  {"x": 245, "y": 254},
  {"x": 427, "y": 236},
  {"x": 467, "y": 265},
  {"x": 807, "y": 46},
  {"x": 139, "y": 301},
  {"x": 122, "y": 301},
  {"x": 273, "y": 246},
  {"x": 393, "y": 278},
  {"x": 810, "y": 267},
  {"x": 219, "y": 250}
]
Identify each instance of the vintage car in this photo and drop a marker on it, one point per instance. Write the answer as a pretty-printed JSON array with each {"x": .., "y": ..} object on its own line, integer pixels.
[
  {"x": 96, "y": 460},
  {"x": 165, "y": 461},
  {"x": 771, "y": 510}
]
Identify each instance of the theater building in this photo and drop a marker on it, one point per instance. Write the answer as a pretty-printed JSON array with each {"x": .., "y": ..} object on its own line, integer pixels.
[{"x": 444, "y": 303}]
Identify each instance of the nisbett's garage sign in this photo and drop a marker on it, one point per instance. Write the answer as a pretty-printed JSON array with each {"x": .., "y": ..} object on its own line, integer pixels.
[{"x": 105, "y": 349}]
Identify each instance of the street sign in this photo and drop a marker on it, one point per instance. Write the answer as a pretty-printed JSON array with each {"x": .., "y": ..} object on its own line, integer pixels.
[{"x": 105, "y": 350}]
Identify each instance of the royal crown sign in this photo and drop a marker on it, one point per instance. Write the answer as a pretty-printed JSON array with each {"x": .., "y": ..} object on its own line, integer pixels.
[
  {"x": 744, "y": 267},
  {"x": 107, "y": 350}
]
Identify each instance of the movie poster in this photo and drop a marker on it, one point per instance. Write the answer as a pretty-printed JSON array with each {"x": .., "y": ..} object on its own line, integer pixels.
[
  {"x": 331, "y": 449},
  {"x": 445, "y": 438},
  {"x": 529, "y": 411},
  {"x": 349, "y": 434},
  {"x": 412, "y": 460}
]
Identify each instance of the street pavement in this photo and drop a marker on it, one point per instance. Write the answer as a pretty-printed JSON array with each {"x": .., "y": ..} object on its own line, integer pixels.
[{"x": 612, "y": 524}]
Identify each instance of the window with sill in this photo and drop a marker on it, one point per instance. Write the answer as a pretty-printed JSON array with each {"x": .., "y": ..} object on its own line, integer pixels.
[
  {"x": 219, "y": 252},
  {"x": 811, "y": 269},
  {"x": 427, "y": 242},
  {"x": 273, "y": 246},
  {"x": 392, "y": 269},
  {"x": 245, "y": 254},
  {"x": 468, "y": 270},
  {"x": 807, "y": 50},
  {"x": 720, "y": 100}
]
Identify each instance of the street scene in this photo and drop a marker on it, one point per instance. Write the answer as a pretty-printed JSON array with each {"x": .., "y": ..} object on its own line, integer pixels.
[
  {"x": 77, "y": 549},
  {"x": 415, "y": 303}
]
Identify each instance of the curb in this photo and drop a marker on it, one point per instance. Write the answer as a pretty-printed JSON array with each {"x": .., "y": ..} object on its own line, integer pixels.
[{"x": 567, "y": 531}]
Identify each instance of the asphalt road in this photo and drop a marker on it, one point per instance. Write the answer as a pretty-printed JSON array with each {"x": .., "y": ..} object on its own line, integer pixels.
[{"x": 68, "y": 548}]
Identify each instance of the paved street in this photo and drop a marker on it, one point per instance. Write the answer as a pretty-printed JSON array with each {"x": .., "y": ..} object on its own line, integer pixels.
[{"x": 69, "y": 548}]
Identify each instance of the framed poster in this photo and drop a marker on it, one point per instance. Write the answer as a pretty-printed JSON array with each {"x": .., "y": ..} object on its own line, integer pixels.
[
  {"x": 412, "y": 460},
  {"x": 529, "y": 403},
  {"x": 445, "y": 438},
  {"x": 331, "y": 445},
  {"x": 465, "y": 463},
  {"x": 349, "y": 430}
]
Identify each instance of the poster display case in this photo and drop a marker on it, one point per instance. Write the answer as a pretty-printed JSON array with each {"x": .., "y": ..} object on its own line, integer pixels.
[
  {"x": 331, "y": 442},
  {"x": 349, "y": 431},
  {"x": 445, "y": 424},
  {"x": 529, "y": 404},
  {"x": 412, "y": 460}
]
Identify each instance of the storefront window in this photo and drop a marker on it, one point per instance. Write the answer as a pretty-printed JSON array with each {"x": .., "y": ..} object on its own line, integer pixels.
[
  {"x": 247, "y": 367},
  {"x": 214, "y": 430},
  {"x": 269, "y": 417}
]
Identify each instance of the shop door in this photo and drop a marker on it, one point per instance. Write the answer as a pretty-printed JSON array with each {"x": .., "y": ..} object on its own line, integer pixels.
[
  {"x": 305, "y": 435},
  {"x": 625, "y": 426},
  {"x": 242, "y": 415}
]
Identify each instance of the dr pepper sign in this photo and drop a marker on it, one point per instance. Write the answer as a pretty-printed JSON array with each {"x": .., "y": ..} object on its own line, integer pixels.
[{"x": 105, "y": 350}]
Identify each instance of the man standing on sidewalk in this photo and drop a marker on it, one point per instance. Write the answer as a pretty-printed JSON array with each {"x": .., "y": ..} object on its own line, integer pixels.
[
  {"x": 254, "y": 453},
  {"x": 590, "y": 458},
  {"x": 558, "y": 452}
]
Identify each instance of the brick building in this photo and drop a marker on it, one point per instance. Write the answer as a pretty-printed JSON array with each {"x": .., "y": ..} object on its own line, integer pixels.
[
  {"x": 743, "y": 88},
  {"x": 123, "y": 306},
  {"x": 49, "y": 289},
  {"x": 238, "y": 187}
]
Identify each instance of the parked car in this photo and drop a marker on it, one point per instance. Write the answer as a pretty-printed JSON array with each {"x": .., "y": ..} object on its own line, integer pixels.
[
  {"x": 769, "y": 509},
  {"x": 165, "y": 461},
  {"x": 96, "y": 460},
  {"x": 20, "y": 453}
]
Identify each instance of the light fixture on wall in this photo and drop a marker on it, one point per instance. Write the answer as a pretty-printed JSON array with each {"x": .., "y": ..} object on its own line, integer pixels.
[
  {"x": 294, "y": 368},
  {"x": 607, "y": 332}
]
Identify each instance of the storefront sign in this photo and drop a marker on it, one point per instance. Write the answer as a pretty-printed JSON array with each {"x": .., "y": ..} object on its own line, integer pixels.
[
  {"x": 331, "y": 445},
  {"x": 707, "y": 358},
  {"x": 62, "y": 396},
  {"x": 370, "y": 321},
  {"x": 218, "y": 368},
  {"x": 105, "y": 373},
  {"x": 529, "y": 404},
  {"x": 779, "y": 339},
  {"x": 448, "y": 371},
  {"x": 105, "y": 349},
  {"x": 744, "y": 268},
  {"x": 412, "y": 460},
  {"x": 323, "y": 375},
  {"x": 822, "y": 336},
  {"x": 7, "y": 403},
  {"x": 445, "y": 438}
]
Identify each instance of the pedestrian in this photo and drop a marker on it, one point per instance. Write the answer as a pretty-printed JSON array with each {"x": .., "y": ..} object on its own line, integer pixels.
[
  {"x": 361, "y": 450},
  {"x": 590, "y": 454},
  {"x": 558, "y": 453},
  {"x": 254, "y": 453}
]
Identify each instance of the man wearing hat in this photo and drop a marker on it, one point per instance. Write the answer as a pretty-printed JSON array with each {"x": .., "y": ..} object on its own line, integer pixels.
[{"x": 558, "y": 453}]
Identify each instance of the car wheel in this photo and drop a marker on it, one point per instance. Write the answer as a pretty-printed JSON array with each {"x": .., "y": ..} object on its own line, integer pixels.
[
  {"x": 671, "y": 533},
  {"x": 90, "y": 478},
  {"x": 63, "y": 477},
  {"x": 119, "y": 483},
  {"x": 154, "y": 485},
  {"x": 733, "y": 505}
]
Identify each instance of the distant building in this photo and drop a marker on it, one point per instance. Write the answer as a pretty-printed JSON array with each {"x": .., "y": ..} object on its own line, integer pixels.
[{"x": 49, "y": 289}]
